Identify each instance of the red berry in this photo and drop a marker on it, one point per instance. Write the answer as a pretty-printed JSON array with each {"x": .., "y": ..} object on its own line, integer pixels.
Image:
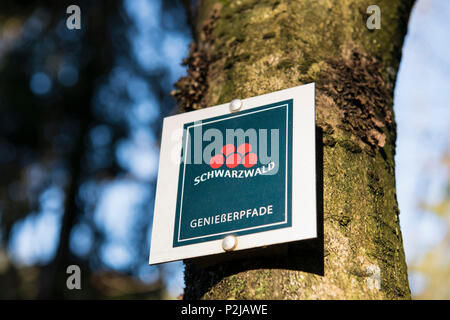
[
  {"x": 217, "y": 161},
  {"x": 250, "y": 160},
  {"x": 233, "y": 160},
  {"x": 227, "y": 149},
  {"x": 244, "y": 148}
]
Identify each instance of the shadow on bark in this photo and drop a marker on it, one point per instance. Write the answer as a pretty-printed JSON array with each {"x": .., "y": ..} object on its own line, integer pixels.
[{"x": 201, "y": 274}]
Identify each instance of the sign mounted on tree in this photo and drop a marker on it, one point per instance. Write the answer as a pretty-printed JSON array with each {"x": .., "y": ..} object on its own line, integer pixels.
[{"x": 236, "y": 176}]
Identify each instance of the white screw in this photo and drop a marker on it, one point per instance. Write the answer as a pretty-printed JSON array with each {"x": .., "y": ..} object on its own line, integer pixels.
[
  {"x": 235, "y": 105},
  {"x": 229, "y": 243}
]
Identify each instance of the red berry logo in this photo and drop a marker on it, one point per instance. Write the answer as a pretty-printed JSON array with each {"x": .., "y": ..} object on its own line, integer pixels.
[{"x": 232, "y": 159}]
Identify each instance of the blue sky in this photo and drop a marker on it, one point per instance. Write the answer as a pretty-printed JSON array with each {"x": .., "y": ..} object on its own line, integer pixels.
[
  {"x": 422, "y": 110},
  {"x": 156, "y": 43},
  {"x": 422, "y": 97}
]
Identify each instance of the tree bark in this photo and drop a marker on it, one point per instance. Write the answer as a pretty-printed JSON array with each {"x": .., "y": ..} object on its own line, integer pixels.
[{"x": 250, "y": 47}]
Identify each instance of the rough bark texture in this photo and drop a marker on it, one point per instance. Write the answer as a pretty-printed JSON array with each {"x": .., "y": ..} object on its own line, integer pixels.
[{"x": 246, "y": 48}]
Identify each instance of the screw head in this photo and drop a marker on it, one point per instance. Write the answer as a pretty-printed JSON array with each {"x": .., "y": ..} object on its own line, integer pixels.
[
  {"x": 235, "y": 105},
  {"x": 229, "y": 243}
]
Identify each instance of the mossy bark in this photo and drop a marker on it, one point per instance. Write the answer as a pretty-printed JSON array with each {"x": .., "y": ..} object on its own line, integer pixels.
[{"x": 246, "y": 48}]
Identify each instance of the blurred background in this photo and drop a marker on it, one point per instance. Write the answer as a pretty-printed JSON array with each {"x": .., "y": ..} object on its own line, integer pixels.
[{"x": 80, "y": 118}]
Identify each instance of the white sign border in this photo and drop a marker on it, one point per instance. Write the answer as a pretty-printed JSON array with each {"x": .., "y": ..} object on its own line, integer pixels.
[{"x": 304, "y": 216}]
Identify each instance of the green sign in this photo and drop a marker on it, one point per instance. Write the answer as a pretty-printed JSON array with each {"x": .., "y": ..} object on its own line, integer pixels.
[{"x": 235, "y": 174}]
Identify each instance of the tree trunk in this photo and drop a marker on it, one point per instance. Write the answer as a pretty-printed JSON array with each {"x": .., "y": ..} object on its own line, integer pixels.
[{"x": 250, "y": 47}]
